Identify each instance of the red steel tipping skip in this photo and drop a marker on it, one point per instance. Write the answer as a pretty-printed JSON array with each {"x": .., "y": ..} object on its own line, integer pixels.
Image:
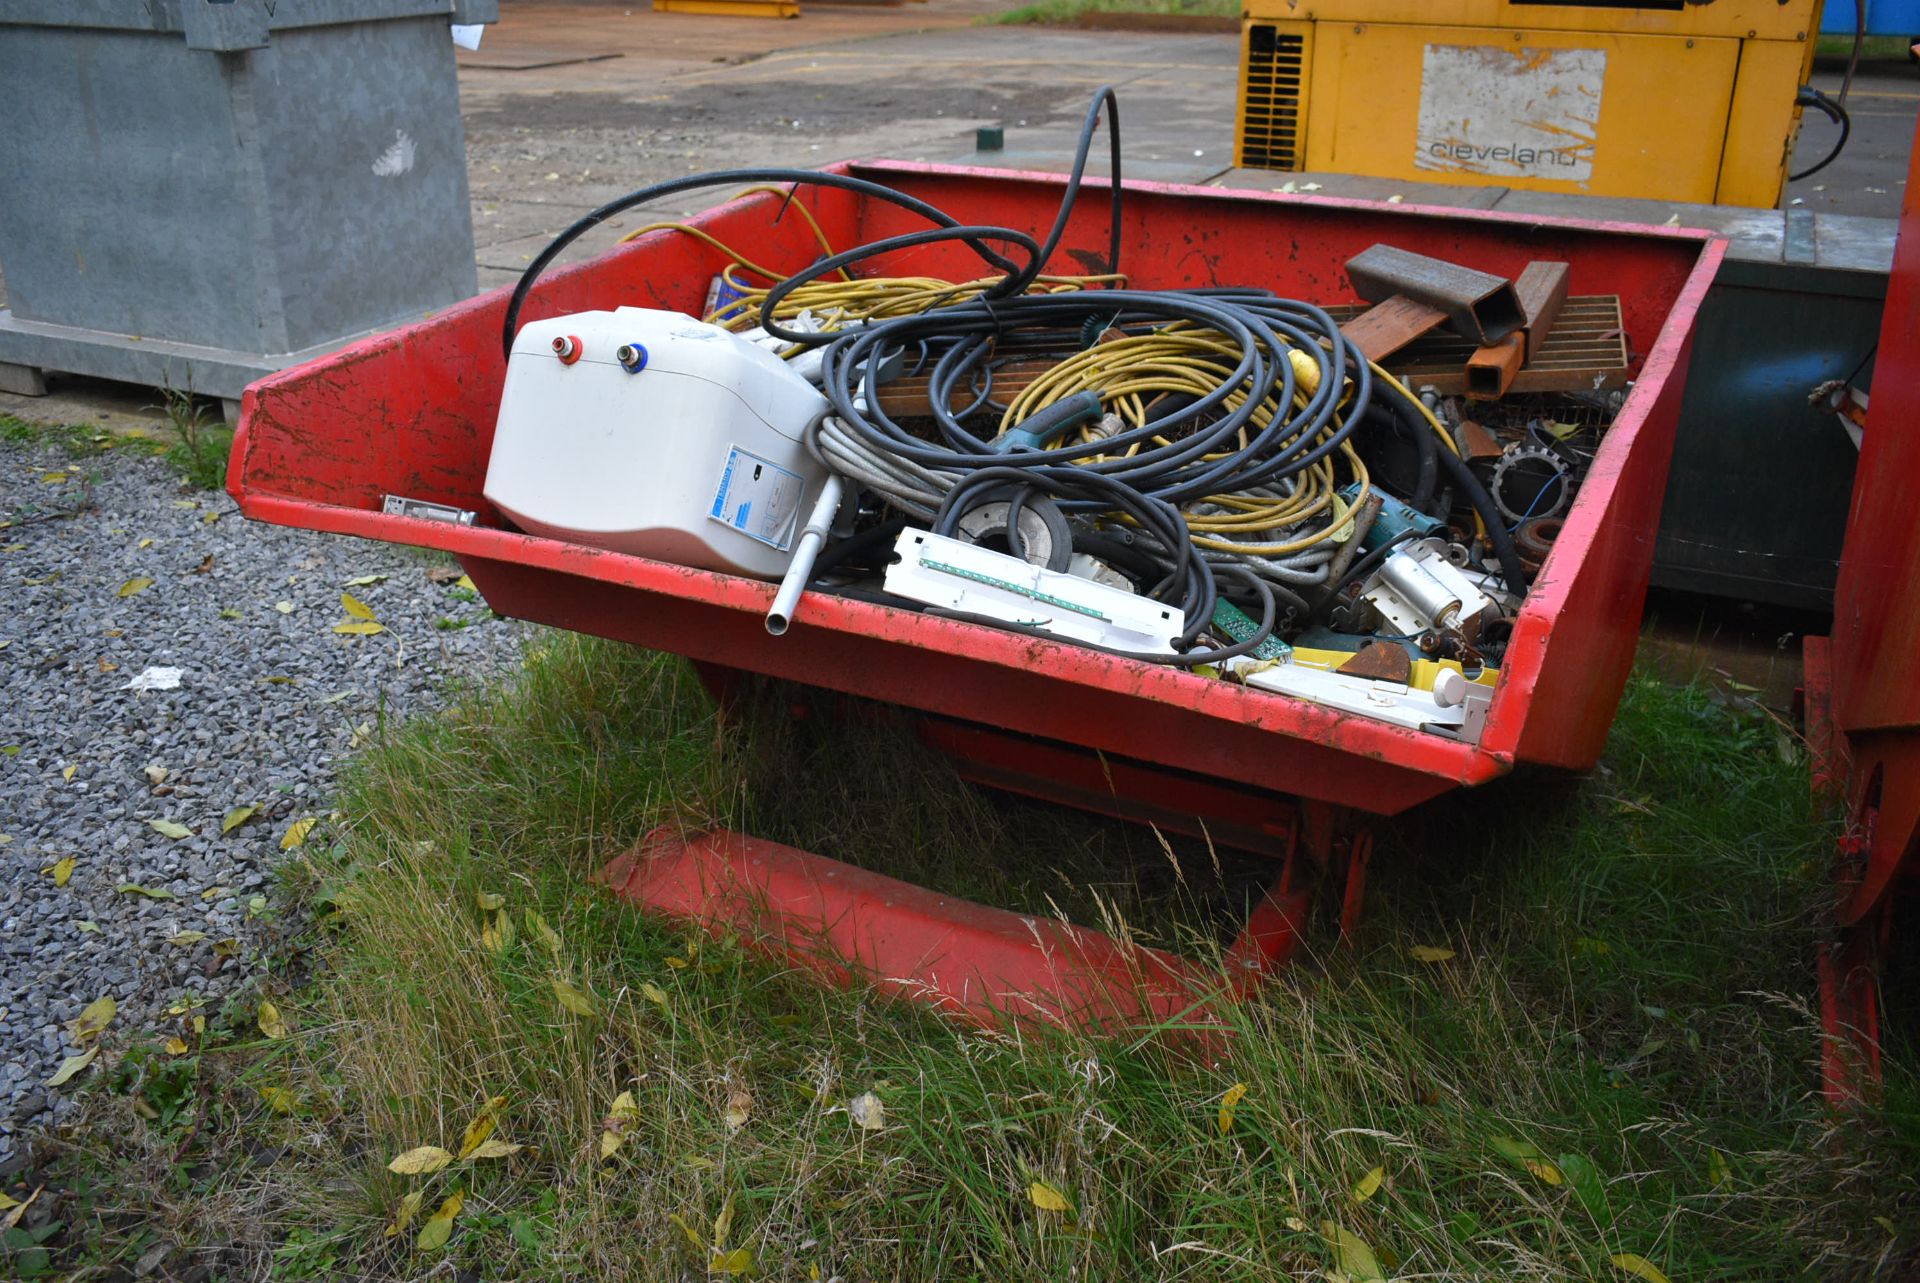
[{"x": 411, "y": 414}]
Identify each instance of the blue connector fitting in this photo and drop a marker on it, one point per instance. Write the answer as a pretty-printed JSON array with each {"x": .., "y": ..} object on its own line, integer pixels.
[
  {"x": 632, "y": 356},
  {"x": 1038, "y": 431},
  {"x": 1395, "y": 518}
]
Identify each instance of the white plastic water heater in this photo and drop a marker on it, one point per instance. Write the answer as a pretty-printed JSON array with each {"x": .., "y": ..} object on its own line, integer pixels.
[{"x": 655, "y": 434}]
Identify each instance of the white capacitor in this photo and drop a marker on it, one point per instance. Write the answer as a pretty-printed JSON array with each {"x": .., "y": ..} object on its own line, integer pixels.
[{"x": 655, "y": 434}]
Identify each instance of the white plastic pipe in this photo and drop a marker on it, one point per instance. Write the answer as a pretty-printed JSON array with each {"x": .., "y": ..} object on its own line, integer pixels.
[{"x": 800, "y": 569}]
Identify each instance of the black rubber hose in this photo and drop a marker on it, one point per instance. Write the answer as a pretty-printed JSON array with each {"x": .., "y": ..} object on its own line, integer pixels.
[
  {"x": 1811, "y": 97},
  {"x": 1510, "y": 568},
  {"x": 859, "y": 544},
  {"x": 1413, "y": 420},
  {"x": 1429, "y": 481},
  {"x": 1102, "y": 97},
  {"x": 510, "y": 325}
]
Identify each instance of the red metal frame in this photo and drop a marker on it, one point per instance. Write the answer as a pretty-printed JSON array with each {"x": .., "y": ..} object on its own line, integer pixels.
[
  {"x": 411, "y": 413},
  {"x": 1863, "y": 686},
  {"x": 853, "y": 926}
]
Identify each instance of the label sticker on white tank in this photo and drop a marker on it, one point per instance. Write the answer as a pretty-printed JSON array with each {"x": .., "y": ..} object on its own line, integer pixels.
[{"x": 758, "y": 498}]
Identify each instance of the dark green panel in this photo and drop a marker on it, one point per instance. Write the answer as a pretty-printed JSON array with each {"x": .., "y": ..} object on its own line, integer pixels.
[{"x": 1756, "y": 503}]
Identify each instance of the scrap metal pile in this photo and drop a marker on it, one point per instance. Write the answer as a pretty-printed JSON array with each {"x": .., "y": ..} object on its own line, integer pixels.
[{"x": 1218, "y": 479}]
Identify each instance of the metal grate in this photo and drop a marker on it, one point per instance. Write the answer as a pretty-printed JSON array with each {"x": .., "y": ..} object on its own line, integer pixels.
[
  {"x": 1270, "y": 108},
  {"x": 1586, "y": 351}
]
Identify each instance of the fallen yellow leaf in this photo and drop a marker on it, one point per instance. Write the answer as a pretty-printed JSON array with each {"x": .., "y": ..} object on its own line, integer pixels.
[
  {"x": 71, "y": 1066},
  {"x": 496, "y": 1148},
  {"x": 699, "y": 1244},
  {"x": 1229, "y": 1103},
  {"x": 93, "y": 1021},
  {"x": 175, "y": 1046},
  {"x": 167, "y": 828},
  {"x": 67, "y": 774},
  {"x": 152, "y": 893},
  {"x": 280, "y": 1100},
  {"x": 418, "y": 1162},
  {"x": 186, "y": 938},
  {"x": 136, "y": 585},
  {"x": 1640, "y": 1267},
  {"x": 16, "y": 1210},
  {"x": 479, "y": 1129},
  {"x": 236, "y": 817},
  {"x": 1429, "y": 953},
  {"x": 439, "y": 1227},
  {"x": 62, "y": 870},
  {"x": 738, "y": 1261},
  {"x": 270, "y": 1022},
  {"x": 361, "y": 628},
  {"x": 355, "y": 607},
  {"x": 538, "y": 928},
  {"x": 466, "y": 583},
  {"x": 573, "y": 999},
  {"x": 624, "y": 1113},
  {"x": 653, "y": 993},
  {"x": 297, "y": 833},
  {"x": 1369, "y": 1185},
  {"x": 739, "y": 1109},
  {"x": 1352, "y": 1255},
  {"x": 1046, "y": 1197},
  {"x": 1546, "y": 1172},
  {"x": 404, "y": 1217},
  {"x": 496, "y": 936},
  {"x": 489, "y": 901},
  {"x": 1717, "y": 1170}
]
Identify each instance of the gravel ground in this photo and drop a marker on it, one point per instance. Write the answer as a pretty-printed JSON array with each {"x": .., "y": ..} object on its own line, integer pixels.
[{"x": 270, "y": 699}]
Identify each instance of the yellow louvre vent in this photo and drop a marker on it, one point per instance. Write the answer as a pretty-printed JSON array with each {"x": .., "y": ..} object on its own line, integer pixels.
[{"x": 1271, "y": 99}]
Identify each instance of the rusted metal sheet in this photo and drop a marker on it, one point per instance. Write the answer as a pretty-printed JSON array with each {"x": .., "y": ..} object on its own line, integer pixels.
[
  {"x": 1478, "y": 305},
  {"x": 1390, "y": 325},
  {"x": 1542, "y": 291}
]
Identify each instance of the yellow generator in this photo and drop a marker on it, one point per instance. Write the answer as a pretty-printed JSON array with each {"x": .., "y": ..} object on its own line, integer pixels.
[{"x": 1683, "y": 100}]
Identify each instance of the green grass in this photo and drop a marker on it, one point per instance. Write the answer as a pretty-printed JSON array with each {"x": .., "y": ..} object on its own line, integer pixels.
[
  {"x": 1872, "y": 48},
  {"x": 76, "y": 440},
  {"x": 1627, "y": 1010},
  {"x": 1061, "y": 11},
  {"x": 201, "y": 442}
]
